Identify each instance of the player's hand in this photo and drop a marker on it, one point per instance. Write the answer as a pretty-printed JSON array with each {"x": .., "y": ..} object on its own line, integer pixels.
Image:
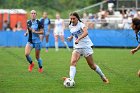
[
  {"x": 69, "y": 38},
  {"x": 33, "y": 31},
  {"x": 77, "y": 41},
  {"x": 133, "y": 51}
]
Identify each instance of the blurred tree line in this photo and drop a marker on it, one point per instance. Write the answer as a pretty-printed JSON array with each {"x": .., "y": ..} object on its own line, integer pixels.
[{"x": 51, "y": 6}]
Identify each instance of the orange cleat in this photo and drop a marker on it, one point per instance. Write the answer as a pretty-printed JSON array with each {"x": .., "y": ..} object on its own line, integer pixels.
[
  {"x": 64, "y": 78},
  {"x": 31, "y": 67},
  {"x": 40, "y": 70}
]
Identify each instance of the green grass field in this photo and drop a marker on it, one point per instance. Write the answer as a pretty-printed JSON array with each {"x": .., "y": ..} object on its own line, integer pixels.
[{"x": 118, "y": 64}]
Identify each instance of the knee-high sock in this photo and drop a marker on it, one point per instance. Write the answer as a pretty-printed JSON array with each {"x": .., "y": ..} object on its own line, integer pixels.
[
  {"x": 56, "y": 46},
  {"x": 99, "y": 71},
  {"x": 72, "y": 72},
  {"x": 66, "y": 45},
  {"x": 39, "y": 62},
  {"x": 29, "y": 59}
]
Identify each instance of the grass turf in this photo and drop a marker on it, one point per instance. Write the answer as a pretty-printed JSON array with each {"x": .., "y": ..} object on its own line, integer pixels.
[{"x": 118, "y": 64}]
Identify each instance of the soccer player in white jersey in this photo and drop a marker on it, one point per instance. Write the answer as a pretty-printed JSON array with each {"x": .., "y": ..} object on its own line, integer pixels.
[
  {"x": 59, "y": 31},
  {"x": 82, "y": 46}
]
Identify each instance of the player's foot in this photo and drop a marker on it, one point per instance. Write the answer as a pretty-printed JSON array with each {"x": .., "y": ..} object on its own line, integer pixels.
[
  {"x": 64, "y": 78},
  {"x": 46, "y": 50},
  {"x": 139, "y": 73},
  {"x": 105, "y": 80},
  {"x": 56, "y": 49},
  {"x": 40, "y": 70},
  {"x": 31, "y": 67}
]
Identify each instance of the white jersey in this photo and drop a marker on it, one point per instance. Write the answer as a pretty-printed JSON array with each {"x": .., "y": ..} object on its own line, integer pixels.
[
  {"x": 76, "y": 31},
  {"x": 59, "y": 26}
]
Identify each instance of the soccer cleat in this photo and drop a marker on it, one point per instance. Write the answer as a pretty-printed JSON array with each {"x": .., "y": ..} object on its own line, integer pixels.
[
  {"x": 139, "y": 73},
  {"x": 64, "y": 78},
  {"x": 105, "y": 80},
  {"x": 31, "y": 67},
  {"x": 40, "y": 70}
]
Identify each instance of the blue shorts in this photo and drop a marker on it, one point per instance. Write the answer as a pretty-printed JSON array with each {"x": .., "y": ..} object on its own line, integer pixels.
[{"x": 37, "y": 46}]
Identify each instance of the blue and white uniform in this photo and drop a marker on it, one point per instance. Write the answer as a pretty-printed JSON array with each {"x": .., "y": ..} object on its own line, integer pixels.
[
  {"x": 46, "y": 22},
  {"x": 34, "y": 39},
  {"x": 84, "y": 45}
]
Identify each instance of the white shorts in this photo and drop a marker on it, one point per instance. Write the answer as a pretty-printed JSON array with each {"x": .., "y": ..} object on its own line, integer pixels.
[
  {"x": 84, "y": 51},
  {"x": 58, "y": 32}
]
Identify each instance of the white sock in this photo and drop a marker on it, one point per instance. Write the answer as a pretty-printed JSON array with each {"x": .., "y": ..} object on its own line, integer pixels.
[
  {"x": 66, "y": 45},
  {"x": 72, "y": 72},
  {"x": 99, "y": 71},
  {"x": 56, "y": 46}
]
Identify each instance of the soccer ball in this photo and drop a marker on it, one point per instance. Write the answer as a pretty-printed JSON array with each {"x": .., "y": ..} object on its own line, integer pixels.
[{"x": 69, "y": 82}]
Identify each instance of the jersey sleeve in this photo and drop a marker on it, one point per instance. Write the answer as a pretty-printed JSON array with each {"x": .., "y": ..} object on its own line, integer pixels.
[
  {"x": 49, "y": 22},
  {"x": 40, "y": 25},
  {"x": 82, "y": 25},
  {"x": 29, "y": 24}
]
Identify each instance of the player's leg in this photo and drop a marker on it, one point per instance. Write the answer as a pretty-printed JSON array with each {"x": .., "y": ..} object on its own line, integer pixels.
[
  {"x": 28, "y": 49},
  {"x": 37, "y": 55},
  {"x": 47, "y": 43},
  {"x": 96, "y": 68},
  {"x": 41, "y": 37},
  {"x": 74, "y": 59},
  {"x": 63, "y": 40},
  {"x": 56, "y": 42},
  {"x": 87, "y": 52}
]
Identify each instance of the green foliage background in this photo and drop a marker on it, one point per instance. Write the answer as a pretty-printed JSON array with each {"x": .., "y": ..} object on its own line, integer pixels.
[{"x": 51, "y": 6}]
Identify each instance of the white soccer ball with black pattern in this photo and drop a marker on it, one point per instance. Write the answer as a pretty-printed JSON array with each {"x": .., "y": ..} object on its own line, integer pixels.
[{"x": 69, "y": 82}]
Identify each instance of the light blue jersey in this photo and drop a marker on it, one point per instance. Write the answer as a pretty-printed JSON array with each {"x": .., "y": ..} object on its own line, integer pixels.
[
  {"x": 34, "y": 39},
  {"x": 46, "y": 22}
]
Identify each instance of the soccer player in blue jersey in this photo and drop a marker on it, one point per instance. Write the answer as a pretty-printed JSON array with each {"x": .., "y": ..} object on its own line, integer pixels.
[
  {"x": 46, "y": 23},
  {"x": 35, "y": 28},
  {"x": 136, "y": 27}
]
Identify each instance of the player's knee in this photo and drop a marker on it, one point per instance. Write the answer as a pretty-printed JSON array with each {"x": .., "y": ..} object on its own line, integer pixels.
[
  {"x": 92, "y": 66},
  {"x": 37, "y": 57},
  {"x": 73, "y": 63},
  {"x": 56, "y": 40}
]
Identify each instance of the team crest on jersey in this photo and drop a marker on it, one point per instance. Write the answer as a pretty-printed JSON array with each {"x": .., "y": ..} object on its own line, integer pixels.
[{"x": 77, "y": 33}]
